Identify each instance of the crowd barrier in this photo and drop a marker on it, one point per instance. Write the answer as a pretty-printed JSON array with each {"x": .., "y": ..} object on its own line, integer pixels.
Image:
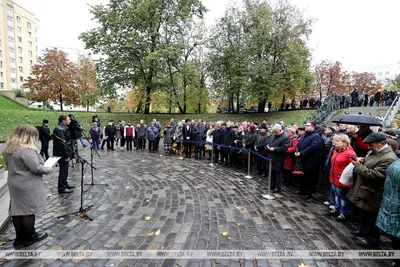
[{"x": 249, "y": 152}]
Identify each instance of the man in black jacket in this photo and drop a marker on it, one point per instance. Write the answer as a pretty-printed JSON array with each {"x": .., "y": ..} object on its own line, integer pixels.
[
  {"x": 44, "y": 137},
  {"x": 277, "y": 146},
  {"x": 260, "y": 147},
  {"x": 227, "y": 140},
  {"x": 187, "y": 136},
  {"x": 62, "y": 148},
  {"x": 110, "y": 132},
  {"x": 217, "y": 140}
]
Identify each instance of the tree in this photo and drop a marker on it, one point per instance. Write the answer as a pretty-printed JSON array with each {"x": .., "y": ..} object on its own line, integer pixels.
[
  {"x": 53, "y": 79},
  {"x": 228, "y": 56},
  {"x": 130, "y": 39},
  {"x": 86, "y": 82},
  {"x": 364, "y": 82},
  {"x": 330, "y": 77}
]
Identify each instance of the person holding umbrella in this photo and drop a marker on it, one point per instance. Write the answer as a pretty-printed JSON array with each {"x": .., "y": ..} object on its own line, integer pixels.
[{"x": 360, "y": 148}]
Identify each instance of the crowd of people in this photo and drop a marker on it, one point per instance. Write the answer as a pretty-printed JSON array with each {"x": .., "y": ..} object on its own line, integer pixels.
[
  {"x": 301, "y": 155},
  {"x": 356, "y": 99}
]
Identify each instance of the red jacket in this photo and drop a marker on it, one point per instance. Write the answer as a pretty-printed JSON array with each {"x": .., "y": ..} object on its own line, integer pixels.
[
  {"x": 339, "y": 162},
  {"x": 289, "y": 159}
]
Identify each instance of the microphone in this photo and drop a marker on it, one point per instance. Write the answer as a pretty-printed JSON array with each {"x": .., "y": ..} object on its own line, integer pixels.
[{"x": 58, "y": 138}]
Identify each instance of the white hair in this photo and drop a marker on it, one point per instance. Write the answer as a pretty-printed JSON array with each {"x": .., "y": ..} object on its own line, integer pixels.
[{"x": 277, "y": 127}]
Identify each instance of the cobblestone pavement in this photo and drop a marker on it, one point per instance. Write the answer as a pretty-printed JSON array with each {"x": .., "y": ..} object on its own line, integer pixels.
[{"x": 192, "y": 204}]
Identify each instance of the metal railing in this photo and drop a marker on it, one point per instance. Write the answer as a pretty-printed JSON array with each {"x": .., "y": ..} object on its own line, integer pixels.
[{"x": 391, "y": 113}]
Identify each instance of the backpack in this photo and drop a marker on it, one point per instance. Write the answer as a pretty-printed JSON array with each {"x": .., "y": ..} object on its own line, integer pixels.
[{"x": 95, "y": 131}]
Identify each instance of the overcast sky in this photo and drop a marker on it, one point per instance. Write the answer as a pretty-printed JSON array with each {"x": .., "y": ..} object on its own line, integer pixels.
[{"x": 357, "y": 33}]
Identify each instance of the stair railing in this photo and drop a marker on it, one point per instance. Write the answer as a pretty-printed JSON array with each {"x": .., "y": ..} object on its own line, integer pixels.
[{"x": 391, "y": 113}]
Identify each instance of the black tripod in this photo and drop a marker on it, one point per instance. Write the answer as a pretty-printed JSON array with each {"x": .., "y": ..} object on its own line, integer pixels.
[
  {"x": 91, "y": 161},
  {"x": 82, "y": 211}
]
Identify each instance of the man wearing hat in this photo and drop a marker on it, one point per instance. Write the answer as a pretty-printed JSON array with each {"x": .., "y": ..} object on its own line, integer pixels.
[
  {"x": 367, "y": 192},
  {"x": 44, "y": 137}
]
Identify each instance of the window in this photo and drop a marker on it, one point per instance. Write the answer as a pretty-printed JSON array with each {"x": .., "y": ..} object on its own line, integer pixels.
[
  {"x": 12, "y": 60},
  {"x": 18, "y": 19},
  {"x": 20, "y": 59},
  {"x": 20, "y": 39},
  {"x": 1, "y": 74},
  {"x": 12, "y": 70},
  {"x": 12, "y": 50},
  {"x": 10, "y": 29},
  {"x": 21, "y": 69},
  {"x": 13, "y": 81},
  {"x": 1, "y": 85},
  {"x": 21, "y": 79},
  {"x": 30, "y": 44},
  {"x": 19, "y": 49},
  {"x": 30, "y": 53},
  {"x": 10, "y": 8},
  {"x": 1, "y": 53},
  {"x": 387, "y": 73},
  {"x": 379, "y": 73},
  {"x": 10, "y": 18},
  {"x": 29, "y": 25},
  {"x": 1, "y": 64},
  {"x": 29, "y": 34},
  {"x": 30, "y": 71},
  {"x": 10, "y": 39},
  {"x": 19, "y": 29},
  {"x": 30, "y": 63}
]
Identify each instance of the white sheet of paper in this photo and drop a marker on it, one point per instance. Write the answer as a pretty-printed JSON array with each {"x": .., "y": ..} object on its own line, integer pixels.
[{"x": 50, "y": 162}]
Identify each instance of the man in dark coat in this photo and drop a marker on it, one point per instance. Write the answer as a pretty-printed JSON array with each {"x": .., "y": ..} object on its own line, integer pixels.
[
  {"x": 62, "y": 147},
  {"x": 260, "y": 147},
  {"x": 310, "y": 147},
  {"x": 188, "y": 137},
  {"x": 142, "y": 136},
  {"x": 44, "y": 137},
  {"x": 217, "y": 140},
  {"x": 199, "y": 132},
  {"x": 227, "y": 140},
  {"x": 110, "y": 131},
  {"x": 277, "y": 146},
  {"x": 354, "y": 98}
]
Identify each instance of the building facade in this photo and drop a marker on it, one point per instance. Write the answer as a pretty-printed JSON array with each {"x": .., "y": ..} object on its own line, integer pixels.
[{"x": 18, "y": 44}]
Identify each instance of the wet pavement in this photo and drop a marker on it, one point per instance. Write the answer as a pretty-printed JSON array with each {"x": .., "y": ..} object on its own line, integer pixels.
[{"x": 195, "y": 207}]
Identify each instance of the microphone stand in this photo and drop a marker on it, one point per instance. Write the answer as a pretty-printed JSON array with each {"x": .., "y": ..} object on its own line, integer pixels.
[
  {"x": 82, "y": 211},
  {"x": 91, "y": 161}
]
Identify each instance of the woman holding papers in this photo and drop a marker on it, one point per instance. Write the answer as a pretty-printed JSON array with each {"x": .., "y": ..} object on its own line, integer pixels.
[{"x": 25, "y": 182}]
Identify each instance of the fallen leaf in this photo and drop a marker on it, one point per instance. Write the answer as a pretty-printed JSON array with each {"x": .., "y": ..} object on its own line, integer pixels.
[
  {"x": 157, "y": 232},
  {"x": 3, "y": 260},
  {"x": 58, "y": 248},
  {"x": 302, "y": 265},
  {"x": 46, "y": 182},
  {"x": 225, "y": 233},
  {"x": 147, "y": 218}
]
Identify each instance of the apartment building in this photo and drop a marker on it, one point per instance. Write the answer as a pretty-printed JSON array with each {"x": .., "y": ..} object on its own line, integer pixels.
[{"x": 18, "y": 44}]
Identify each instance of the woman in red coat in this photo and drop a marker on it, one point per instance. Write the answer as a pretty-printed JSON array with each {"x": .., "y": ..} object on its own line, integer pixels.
[
  {"x": 339, "y": 161},
  {"x": 288, "y": 166}
]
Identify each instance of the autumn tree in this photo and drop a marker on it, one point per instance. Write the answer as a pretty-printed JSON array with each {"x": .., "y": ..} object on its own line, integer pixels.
[
  {"x": 53, "y": 78},
  {"x": 86, "y": 82},
  {"x": 330, "y": 77},
  {"x": 365, "y": 82},
  {"x": 129, "y": 37}
]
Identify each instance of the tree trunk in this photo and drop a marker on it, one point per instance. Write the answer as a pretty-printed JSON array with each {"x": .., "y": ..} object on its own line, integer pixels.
[
  {"x": 87, "y": 106},
  {"x": 139, "y": 106},
  {"x": 185, "y": 82},
  {"x": 170, "y": 102},
  {"x": 199, "y": 107},
  {"x": 261, "y": 103},
  {"x": 148, "y": 100},
  {"x": 61, "y": 102},
  {"x": 237, "y": 102}
]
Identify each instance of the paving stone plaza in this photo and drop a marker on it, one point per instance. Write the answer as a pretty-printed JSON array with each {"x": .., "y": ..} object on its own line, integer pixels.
[{"x": 193, "y": 205}]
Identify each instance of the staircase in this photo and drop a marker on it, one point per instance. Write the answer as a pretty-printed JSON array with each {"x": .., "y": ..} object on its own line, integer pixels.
[
  {"x": 375, "y": 112},
  {"x": 4, "y": 198}
]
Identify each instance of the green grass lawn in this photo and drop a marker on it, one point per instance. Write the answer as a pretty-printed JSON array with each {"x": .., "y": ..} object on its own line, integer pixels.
[{"x": 12, "y": 115}]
